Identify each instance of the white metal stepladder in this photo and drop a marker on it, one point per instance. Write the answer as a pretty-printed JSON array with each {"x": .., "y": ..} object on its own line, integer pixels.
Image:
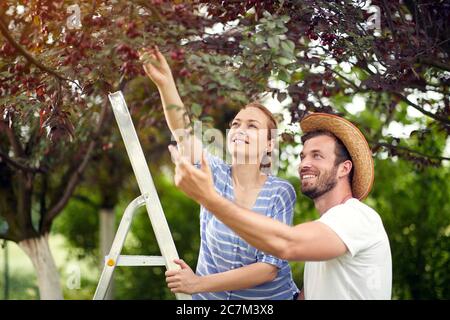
[{"x": 148, "y": 197}]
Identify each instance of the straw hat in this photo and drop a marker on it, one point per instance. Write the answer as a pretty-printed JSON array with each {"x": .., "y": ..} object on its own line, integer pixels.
[{"x": 354, "y": 141}]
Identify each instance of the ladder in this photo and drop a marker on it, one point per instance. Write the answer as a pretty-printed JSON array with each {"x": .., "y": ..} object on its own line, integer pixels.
[{"x": 149, "y": 198}]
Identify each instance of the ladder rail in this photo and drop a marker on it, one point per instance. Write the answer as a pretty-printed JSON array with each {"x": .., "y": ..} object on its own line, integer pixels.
[
  {"x": 116, "y": 247},
  {"x": 144, "y": 179}
]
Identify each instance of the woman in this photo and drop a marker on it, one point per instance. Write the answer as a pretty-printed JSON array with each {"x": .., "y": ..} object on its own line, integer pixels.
[{"x": 229, "y": 268}]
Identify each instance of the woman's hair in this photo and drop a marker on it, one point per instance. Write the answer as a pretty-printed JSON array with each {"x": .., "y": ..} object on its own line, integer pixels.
[{"x": 271, "y": 125}]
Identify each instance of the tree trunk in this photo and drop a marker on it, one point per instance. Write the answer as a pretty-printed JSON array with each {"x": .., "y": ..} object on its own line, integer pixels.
[
  {"x": 107, "y": 231},
  {"x": 40, "y": 255}
]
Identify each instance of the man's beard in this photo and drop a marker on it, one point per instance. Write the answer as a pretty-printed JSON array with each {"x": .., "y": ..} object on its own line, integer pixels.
[{"x": 325, "y": 183}]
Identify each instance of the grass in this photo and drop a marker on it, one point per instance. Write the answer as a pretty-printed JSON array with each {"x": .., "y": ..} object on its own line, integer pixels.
[{"x": 78, "y": 277}]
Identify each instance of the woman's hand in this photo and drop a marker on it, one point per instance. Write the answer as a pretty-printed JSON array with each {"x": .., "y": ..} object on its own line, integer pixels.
[
  {"x": 158, "y": 70},
  {"x": 184, "y": 280},
  {"x": 156, "y": 67}
]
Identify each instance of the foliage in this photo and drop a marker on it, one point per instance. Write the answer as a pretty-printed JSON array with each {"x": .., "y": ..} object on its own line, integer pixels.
[
  {"x": 412, "y": 202},
  {"x": 54, "y": 82}
]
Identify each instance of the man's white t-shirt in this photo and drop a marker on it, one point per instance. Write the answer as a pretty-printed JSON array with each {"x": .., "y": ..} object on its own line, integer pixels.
[{"x": 365, "y": 270}]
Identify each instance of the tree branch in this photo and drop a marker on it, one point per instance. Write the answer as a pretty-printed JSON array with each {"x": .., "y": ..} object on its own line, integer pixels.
[
  {"x": 425, "y": 112},
  {"x": 9, "y": 237},
  {"x": 389, "y": 19},
  {"x": 390, "y": 146},
  {"x": 42, "y": 198},
  {"x": 17, "y": 148},
  {"x": 344, "y": 78},
  {"x": 18, "y": 165},
  {"x": 30, "y": 58},
  {"x": 70, "y": 187},
  {"x": 434, "y": 63},
  {"x": 400, "y": 96},
  {"x": 76, "y": 174}
]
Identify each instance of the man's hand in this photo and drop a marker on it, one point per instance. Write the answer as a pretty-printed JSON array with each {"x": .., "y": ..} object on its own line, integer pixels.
[
  {"x": 184, "y": 280},
  {"x": 196, "y": 183},
  {"x": 188, "y": 145}
]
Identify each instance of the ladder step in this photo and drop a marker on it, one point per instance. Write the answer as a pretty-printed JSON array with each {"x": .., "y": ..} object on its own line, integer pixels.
[{"x": 135, "y": 260}]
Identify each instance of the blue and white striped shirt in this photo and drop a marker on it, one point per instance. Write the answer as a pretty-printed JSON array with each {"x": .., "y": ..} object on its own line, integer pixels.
[{"x": 222, "y": 250}]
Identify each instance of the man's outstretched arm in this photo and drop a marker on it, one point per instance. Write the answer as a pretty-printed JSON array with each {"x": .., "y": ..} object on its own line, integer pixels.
[{"x": 305, "y": 242}]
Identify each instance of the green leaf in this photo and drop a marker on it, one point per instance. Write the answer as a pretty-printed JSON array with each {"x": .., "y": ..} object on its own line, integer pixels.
[
  {"x": 280, "y": 30},
  {"x": 196, "y": 109},
  {"x": 285, "y": 18},
  {"x": 173, "y": 107},
  {"x": 283, "y": 75},
  {"x": 267, "y": 14},
  {"x": 258, "y": 39},
  {"x": 207, "y": 119},
  {"x": 273, "y": 42},
  {"x": 288, "y": 46},
  {"x": 298, "y": 76},
  {"x": 206, "y": 58},
  {"x": 196, "y": 88},
  {"x": 284, "y": 61}
]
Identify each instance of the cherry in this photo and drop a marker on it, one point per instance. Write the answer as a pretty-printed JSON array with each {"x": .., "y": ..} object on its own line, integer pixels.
[
  {"x": 339, "y": 51},
  {"x": 120, "y": 23},
  {"x": 312, "y": 35},
  {"x": 122, "y": 48},
  {"x": 328, "y": 75},
  {"x": 185, "y": 73},
  {"x": 127, "y": 52},
  {"x": 14, "y": 89},
  {"x": 131, "y": 30},
  {"x": 177, "y": 54},
  {"x": 96, "y": 46},
  {"x": 40, "y": 92},
  {"x": 128, "y": 68},
  {"x": 179, "y": 7},
  {"x": 25, "y": 42},
  {"x": 107, "y": 146},
  {"x": 7, "y": 50},
  {"x": 326, "y": 92},
  {"x": 70, "y": 39},
  {"x": 99, "y": 21},
  {"x": 67, "y": 61}
]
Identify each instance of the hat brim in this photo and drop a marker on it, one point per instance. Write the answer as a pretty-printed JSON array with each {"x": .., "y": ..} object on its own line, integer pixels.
[{"x": 354, "y": 141}]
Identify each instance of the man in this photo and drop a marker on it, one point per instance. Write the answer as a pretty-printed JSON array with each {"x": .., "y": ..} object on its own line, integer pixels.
[{"x": 347, "y": 250}]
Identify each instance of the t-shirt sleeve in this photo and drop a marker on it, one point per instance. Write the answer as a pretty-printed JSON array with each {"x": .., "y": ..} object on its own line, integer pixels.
[
  {"x": 351, "y": 225},
  {"x": 283, "y": 211}
]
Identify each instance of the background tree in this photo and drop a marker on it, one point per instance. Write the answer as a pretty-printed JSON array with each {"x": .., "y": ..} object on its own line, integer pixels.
[{"x": 54, "y": 83}]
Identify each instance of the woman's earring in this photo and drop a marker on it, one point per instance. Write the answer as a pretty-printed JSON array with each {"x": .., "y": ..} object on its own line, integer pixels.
[{"x": 266, "y": 158}]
